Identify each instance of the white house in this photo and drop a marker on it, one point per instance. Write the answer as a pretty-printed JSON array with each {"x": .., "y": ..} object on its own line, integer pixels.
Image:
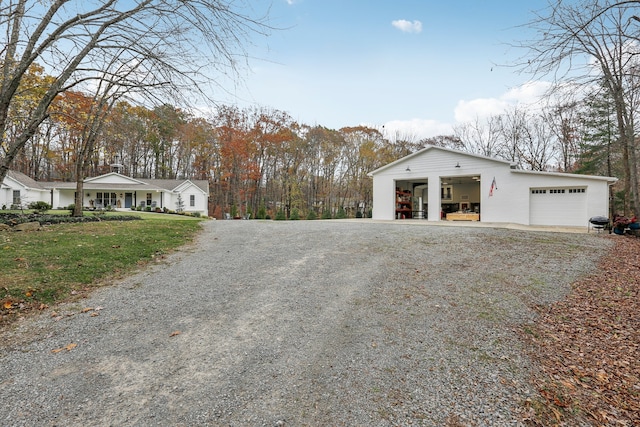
[
  {"x": 112, "y": 189},
  {"x": 17, "y": 189},
  {"x": 443, "y": 184}
]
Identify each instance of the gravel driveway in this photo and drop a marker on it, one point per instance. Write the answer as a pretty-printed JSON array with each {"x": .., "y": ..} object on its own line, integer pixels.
[{"x": 300, "y": 323}]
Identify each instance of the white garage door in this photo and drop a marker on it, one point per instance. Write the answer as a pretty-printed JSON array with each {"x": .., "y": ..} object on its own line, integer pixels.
[{"x": 558, "y": 206}]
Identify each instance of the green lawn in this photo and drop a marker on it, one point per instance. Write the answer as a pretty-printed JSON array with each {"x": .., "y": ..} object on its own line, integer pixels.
[{"x": 46, "y": 266}]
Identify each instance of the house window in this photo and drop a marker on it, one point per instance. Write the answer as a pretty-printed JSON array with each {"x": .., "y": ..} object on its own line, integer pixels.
[
  {"x": 558, "y": 190},
  {"x": 148, "y": 199},
  {"x": 445, "y": 193},
  {"x": 105, "y": 199},
  {"x": 16, "y": 197},
  {"x": 192, "y": 200}
]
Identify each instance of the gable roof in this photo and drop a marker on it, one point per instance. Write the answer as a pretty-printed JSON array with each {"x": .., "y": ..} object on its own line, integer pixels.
[
  {"x": 113, "y": 178},
  {"x": 174, "y": 184},
  {"x": 24, "y": 180},
  {"x": 116, "y": 181},
  {"x": 435, "y": 148}
]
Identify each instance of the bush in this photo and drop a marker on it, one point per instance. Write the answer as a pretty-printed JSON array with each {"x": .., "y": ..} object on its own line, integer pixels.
[
  {"x": 280, "y": 216},
  {"x": 71, "y": 207},
  {"x": 196, "y": 214},
  {"x": 341, "y": 213},
  {"x": 267, "y": 216},
  {"x": 40, "y": 206},
  {"x": 312, "y": 215},
  {"x": 148, "y": 208},
  {"x": 13, "y": 219},
  {"x": 358, "y": 214},
  {"x": 262, "y": 212},
  {"x": 295, "y": 215},
  {"x": 326, "y": 214}
]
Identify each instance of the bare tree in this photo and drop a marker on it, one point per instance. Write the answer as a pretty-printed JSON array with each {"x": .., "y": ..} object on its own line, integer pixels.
[
  {"x": 479, "y": 137},
  {"x": 590, "y": 41},
  {"x": 173, "y": 45}
]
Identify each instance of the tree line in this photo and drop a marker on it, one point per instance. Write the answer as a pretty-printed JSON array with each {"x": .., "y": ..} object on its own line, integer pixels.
[
  {"x": 262, "y": 160},
  {"x": 85, "y": 85}
]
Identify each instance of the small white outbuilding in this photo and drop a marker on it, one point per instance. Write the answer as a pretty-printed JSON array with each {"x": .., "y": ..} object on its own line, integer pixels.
[{"x": 442, "y": 184}]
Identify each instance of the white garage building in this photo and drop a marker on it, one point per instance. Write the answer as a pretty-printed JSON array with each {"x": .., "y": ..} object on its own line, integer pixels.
[{"x": 442, "y": 184}]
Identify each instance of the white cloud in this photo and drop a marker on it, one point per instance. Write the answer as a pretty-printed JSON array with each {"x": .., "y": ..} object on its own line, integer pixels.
[
  {"x": 407, "y": 26},
  {"x": 415, "y": 129},
  {"x": 528, "y": 94}
]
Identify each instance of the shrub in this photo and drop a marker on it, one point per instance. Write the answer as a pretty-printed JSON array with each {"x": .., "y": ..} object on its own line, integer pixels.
[
  {"x": 312, "y": 215},
  {"x": 326, "y": 214},
  {"x": 295, "y": 215},
  {"x": 262, "y": 212},
  {"x": 40, "y": 206},
  {"x": 148, "y": 208},
  {"x": 47, "y": 219},
  {"x": 267, "y": 216},
  {"x": 341, "y": 213},
  {"x": 196, "y": 214},
  {"x": 280, "y": 216},
  {"x": 71, "y": 207},
  {"x": 358, "y": 214},
  {"x": 133, "y": 208}
]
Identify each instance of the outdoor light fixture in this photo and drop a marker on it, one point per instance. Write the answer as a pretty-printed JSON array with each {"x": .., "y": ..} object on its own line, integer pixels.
[
  {"x": 458, "y": 164},
  {"x": 408, "y": 169}
]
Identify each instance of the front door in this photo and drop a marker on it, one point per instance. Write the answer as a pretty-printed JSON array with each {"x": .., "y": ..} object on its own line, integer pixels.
[{"x": 128, "y": 200}]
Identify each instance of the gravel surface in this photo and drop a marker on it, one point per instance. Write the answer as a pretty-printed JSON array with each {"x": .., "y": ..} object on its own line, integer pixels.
[{"x": 342, "y": 323}]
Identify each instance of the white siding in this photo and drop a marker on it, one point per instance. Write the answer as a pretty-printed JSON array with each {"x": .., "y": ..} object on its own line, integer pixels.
[
  {"x": 384, "y": 197},
  {"x": 510, "y": 201}
]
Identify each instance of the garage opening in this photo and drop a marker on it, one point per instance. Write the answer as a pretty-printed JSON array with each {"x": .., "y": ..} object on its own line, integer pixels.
[
  {"x": 460, "y": 198},
  {"x": 411, "y": 199}
]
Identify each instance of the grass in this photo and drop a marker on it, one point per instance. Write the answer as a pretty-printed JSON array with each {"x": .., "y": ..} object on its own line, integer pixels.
[{"x": 44, "y": 267}]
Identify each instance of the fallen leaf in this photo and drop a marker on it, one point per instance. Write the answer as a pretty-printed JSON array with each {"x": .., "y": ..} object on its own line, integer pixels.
[
  {"x": 8, "y": 305},
  {"x": 94, "y": 314},
  {"x": 67, "y": 347},
  {"x": 87, "y": 309},
  {"x": 602, "y": 376},
  {"x": 174, "y": 333},
  {"x": 28, "y": 294}
]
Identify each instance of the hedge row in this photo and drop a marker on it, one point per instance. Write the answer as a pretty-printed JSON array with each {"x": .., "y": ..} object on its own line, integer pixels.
[{"x": 44, "y": 219}]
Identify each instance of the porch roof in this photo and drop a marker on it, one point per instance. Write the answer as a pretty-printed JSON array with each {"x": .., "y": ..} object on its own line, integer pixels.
[{"x": 105, "y": 186}]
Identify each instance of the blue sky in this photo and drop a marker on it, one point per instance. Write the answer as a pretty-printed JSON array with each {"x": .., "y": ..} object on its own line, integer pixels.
[{"x": 343, "y": 63}]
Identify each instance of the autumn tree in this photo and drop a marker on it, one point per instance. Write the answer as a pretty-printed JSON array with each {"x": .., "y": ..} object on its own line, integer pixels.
[
  {"x": 594, "y": 42},
  {"x": 169, "y": 42}
]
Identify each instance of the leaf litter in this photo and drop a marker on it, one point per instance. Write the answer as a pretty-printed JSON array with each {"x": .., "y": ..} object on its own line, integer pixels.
[{"x": 587, "y": 347}]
